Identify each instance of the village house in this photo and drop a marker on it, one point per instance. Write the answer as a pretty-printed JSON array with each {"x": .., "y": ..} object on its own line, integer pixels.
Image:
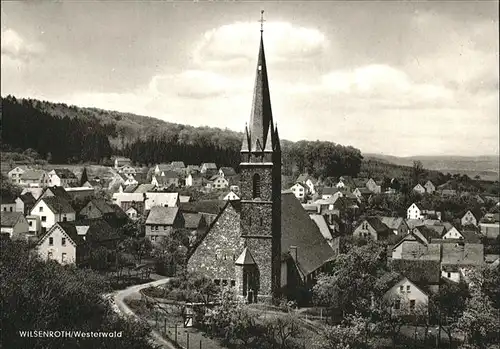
[
  {"x": 208, "y": 167},
  {"x": 346, "y": 182},
  {"x": 121, "y": 161},
  {"x": 127, "y": 170},
  {"x": 35, "y": 178},
  {"x": 308, "y": 181},
  {"x": 16, "y": 173},
  {"x": 134, "y": 212},
  {"x": 406, "y": 298},
  {"x": 162, "y": 221},
  {"x": 419, "y": 189},
  {"x": 178, "y": 165},
  {"x": 398, "y": 225},
  {"x": 35, "y": 225},
  {"x": 161, "y": 168},
  {"x": 166, "y": 180},
  {"x": 447, "y": 192},
  {"x": 429, "y": 187},
  {"x": 414, "y": 212},
  {"x": 63, "y": 244},
  {"x": 300, "y": 191},
  {"x": 469, "y": 219},
  {"x": 55, "y": 191},
  {"x": 194, "y": 179},
  {"x": 195, "y": 225},
  {"x": 373, "y": 186},
  {"x": 210, "y": 209},
  {"x": 362, "y": 193},
  {"x": 80, "y": 193},
  {"x": 372, "y": 228},
  {"x": 229, "y": 196},
  {"x": 328, "y": 192},
  {"x": 14, "y": 224},
  {"x": 458, "y": 257},
  {"x": 413, "y": 247},
  {"x": 7, "y": 204},
  {"x": 36, "y": 192},
  {"x": 97, "y": 208},
  {"x": 52, "y": 210},
  {"x": 324, "y": 228},
  {"x": 24, "y": 203},
  {"x": 192, "y": 169},
  {"x": 149, "y": 199},
  {"x": 62, "y": 177},
  {"x": 217, "y": 182},
  {"x": 227, "y": 172}
]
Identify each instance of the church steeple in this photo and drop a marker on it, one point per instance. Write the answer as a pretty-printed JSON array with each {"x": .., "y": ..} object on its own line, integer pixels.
[{"x": 261, "y": 117}]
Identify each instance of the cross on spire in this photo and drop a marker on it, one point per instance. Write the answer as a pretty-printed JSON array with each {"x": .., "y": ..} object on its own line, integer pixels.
[{"x": 262, "y": 20}]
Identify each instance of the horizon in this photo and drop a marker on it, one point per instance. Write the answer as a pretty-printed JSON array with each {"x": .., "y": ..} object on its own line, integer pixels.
[{"x": 399, "y": 79}]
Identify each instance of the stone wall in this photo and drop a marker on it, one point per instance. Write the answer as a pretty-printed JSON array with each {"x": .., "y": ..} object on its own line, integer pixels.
[{"x": 266, "y": 181}]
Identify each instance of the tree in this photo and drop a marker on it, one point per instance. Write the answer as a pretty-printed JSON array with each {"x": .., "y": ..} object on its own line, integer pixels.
[
  {"x": 54, "y": 298},
  {"x": 138, "y": 247},
  {"x": 352, "y": 333},
  {"x": 417, "y": 171}
]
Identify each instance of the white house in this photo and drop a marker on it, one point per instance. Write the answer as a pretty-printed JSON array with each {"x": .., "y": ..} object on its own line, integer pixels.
[
  {"x": 52, "y": 210},
  {"x": 16, "y": 173},
  {"x": 120, "y": 162},
  {"x": 419, "y": 189},
  {"x": 299, "y": 190},
  {"x": 451, "y": 272},
  {"x": 414, "y": 212},
  {"x": 230, "y": 196},
  {"x": 307, "y": 181},
  {"x": 63, "y": 244},
  {"x": 469, "y": 219},
  {"x": 328, "y": 192},
  {"x": 429, "y": 187},
  {"x": 35, "y": 179},
  {"x": 14, "y": 224},
  {"x": 217, "y": 182},
  {"x": 62, "y": 177},
  {"x": 453, "y": 233},
  {"x": 406, "y": 298},
  {"x": 7, "y": 204},
  {"x": 34, "y": 223}
]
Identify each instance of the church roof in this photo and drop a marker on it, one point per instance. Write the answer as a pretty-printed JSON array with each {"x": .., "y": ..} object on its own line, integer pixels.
[{"x": 245, "y": 258}]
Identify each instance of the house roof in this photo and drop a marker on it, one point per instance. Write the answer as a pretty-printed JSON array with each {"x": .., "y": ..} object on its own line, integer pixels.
[
  {"x": 303, "y": 177},
  {"x": 297, "y": 229},
  {"x": 102, "y": 206},
  {"x": 364, "y": 190},
  {"x": 329, "y": 190},
  {"x": 203, "y": 206},
  {"x": 178, "y": 164},
  {"x": 209, "y": 165},
  {"x": 245, "y": 258},
  {"x": 141, "y": 177},
  {"x": 7, "y": 199},
  {"x": 377, "y": 224},
  {"x": 9, "y": 219},
  {"x": 27, "y": 198},
  {"x": 413, "y": 223},
  {"x": 64, "y": 173},
  {"x": 162, "y": 215},
  {"x": 144, "y": 188},
  {"x": 130, "y": 188},
  {"x": 228, "y": 171},
  {"x": 439, "y": 229},
  {"x": 165, "y": 167},
  {"x": 427, "y": 272},
  {"x": 192, "y": 220},
  {"x": 226, "y": 193},
  {"x": 69, "y": 229},
  {"x": 462, "y": 253},
  {"x": 96, "y": 230},
  {"x": 58, "y": 191},
  {"x": 184, "y": 198},
  {"x": 32, "y": 175},
  {"x": 392, "y": 222},
  {"x": 428, "y": 233},
  {"x": 58, "y": 205}
]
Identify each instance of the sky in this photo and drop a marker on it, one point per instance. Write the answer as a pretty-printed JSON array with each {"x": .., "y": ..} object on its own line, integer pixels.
[{"x": 397, "y": 78}]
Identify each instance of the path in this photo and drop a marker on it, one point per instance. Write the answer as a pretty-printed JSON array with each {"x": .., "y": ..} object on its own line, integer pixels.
[{"x": 133, "y": 292}]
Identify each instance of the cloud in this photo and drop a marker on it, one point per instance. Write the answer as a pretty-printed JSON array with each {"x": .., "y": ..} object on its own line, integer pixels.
[
  {"x": 236, "y": 43},
  {"x": 15, "y": 48}
]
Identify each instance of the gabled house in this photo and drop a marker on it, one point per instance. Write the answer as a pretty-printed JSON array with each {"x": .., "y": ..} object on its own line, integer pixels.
[
  {"x": 406, "y": 298},
  {"x": 373, "y": 186},
  {"x": 429, "y": 187},
  {"x": 35, "y": 178},
  {"x": 178, "y": 165},
  {"x": 217, "y": 182},
  {"x": 208, "y": 166},
  {"x": 414, "y": 212},
  {"x": 412, "y": 246},
  {"x": 14, "y": 224},
  {"x": 25, "y": 202},
  {"x": 166, "y": 179},
  {"x": 96, "y": 208},
  {"x": 362, "y": 193},
  {"x": 229, "y": 196},
  {"x": 426, "y": 233},
  {"x": 345, "y": 181},
  {"x": 121, "y": 161},
  {"x": 372, "y": 228},
  {"x": 60, "y": 192},
  {"x": 134, "y": 212},
  {"x": 308, "y": 181},
  {"x": 194, "y": 179},
  {"x": 51, "y": 210},
  {"x": 299, "y": 190},
  {"x": 396, "y": 224},
  {"x": 328, "y": 192},
  {"x": 7, "y": 204},
  {"x": 227, "y": 172},
  {"x": 419, "y": 188},
  {"x": 469, "y": 218},
  {"x": 62, "y": 177},
  {"x": 63, "y": 244},
  {"x": 162, "y": 221},
  {"x": 196, "y": 226},
  {"x": 16, "y": 173}
]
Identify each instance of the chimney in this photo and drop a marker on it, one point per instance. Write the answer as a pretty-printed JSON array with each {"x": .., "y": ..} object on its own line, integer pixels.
[{"x": 293, "y": 252}]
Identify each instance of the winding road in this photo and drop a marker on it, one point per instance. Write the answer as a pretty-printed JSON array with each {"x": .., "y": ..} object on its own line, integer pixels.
[{"x": 118, "y": 304}]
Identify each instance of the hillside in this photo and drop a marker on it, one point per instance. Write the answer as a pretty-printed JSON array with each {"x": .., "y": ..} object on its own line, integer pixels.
[{"x": 487, "y": 167}]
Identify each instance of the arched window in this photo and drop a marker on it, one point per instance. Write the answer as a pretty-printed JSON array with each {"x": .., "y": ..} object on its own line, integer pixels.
[
  {"x": 256, "y": 186},
  {"x": 261, "y": 221}
]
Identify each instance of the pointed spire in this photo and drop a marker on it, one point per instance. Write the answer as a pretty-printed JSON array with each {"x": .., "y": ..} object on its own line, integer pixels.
[
  {"x": 261, "y": 117},
  {"x": 276, "y": 141},
  {"x": 269, "y": 141},
  {"x": 245, "y": 145}
]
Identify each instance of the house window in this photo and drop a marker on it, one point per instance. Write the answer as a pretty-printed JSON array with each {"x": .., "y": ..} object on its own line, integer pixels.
[
  {"x": 50, "y": 255},
  {"x": 51, "y": 241},
  {"x": 65, "y": 219},
  {"x": 233, "y": 283},
  {"x": 217, "y": 282},
  {"x": 224, "y": 282},
  {"x": 397, "y": 304},
  {"x": 256, "y": 185},
  {"x": 44, "y": 218},
  {"x": 449, "y": 275},
  {"x": 11, "y": 209},
  {"x": 401, "y": 289},
  {"x": 408, "y": 289},
  {"x": 63, "y": 242},
  {"x": 412, "y": 304},
  {"x": 41, "y": 209},
  {"x": 30, "y": 223},
  {"x": 63, "y": 257}
]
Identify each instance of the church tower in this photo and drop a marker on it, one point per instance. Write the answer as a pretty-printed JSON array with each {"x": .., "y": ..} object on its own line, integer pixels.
[{"x": 259, "y": 266}]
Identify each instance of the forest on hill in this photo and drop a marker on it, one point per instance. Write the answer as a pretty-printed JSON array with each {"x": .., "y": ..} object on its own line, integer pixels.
[{"x": 70, "y": 134}]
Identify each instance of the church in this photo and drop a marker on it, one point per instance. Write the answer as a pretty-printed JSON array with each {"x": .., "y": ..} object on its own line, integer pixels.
[{"x": 266, "y": 246}]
